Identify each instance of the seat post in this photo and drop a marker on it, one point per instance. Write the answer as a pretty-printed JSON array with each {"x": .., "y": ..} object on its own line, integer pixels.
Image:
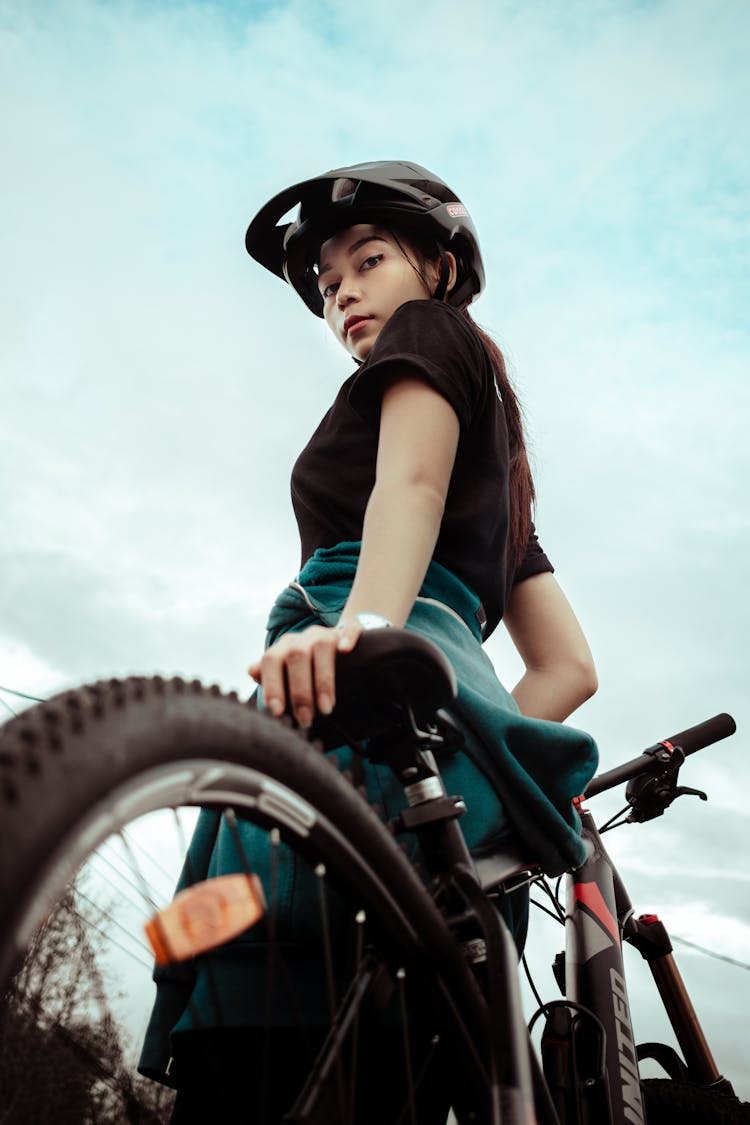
[{"x": 433, "y": 817}]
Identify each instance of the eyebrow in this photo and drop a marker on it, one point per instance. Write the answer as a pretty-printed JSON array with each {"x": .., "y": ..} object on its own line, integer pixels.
[{"x": 352, "y": 249}]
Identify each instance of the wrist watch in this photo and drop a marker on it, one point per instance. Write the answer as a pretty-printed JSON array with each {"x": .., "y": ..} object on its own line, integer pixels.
[{"x": 373, "y": 621}]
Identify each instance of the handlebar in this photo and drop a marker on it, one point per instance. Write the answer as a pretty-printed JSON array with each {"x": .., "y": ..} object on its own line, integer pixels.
[{"x": 690, "y": 740}]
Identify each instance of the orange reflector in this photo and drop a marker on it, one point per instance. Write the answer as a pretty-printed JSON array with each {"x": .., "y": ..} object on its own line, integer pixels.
[{"x": 204, "y": 916}]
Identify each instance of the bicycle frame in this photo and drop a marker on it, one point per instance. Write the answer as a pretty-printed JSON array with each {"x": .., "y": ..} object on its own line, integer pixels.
[
  {"x": 134, "y": 741},
  {"x": 597, "y": 911},
  {"x": 591, "y": 1074},
  {"x": 599, "y": 917}
]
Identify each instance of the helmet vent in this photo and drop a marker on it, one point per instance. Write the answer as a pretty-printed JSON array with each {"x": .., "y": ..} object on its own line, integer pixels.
[
  {"x": 342, "y": 188},
  {"x": 289, "y": 217}
]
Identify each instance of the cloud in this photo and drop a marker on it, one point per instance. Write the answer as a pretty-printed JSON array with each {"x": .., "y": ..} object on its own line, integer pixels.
[
  {"x": 20, "y": 665},
  {"x": 157, "y": 385}
]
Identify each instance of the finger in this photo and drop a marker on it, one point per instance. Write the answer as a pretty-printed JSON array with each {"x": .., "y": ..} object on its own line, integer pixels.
[
  {"x": 349, "y": 631},
  {"x": 272, "y": 679},
  {"x": 324, "y": 672},
  {"x": 299, "y": 676},
  {"x": 254, "y": 671}
]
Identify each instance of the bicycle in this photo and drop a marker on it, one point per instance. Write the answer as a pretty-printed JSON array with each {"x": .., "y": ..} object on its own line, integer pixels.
[{"x": 431, "y": 945}]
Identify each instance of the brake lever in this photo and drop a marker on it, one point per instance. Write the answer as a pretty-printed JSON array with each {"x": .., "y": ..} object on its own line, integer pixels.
[
  {"x": 650, "y": 796},
  {"x": 686, "y": 791}
]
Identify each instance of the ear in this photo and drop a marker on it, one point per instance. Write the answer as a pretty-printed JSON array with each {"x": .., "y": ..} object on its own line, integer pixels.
[{"x": 452, "y": 272}]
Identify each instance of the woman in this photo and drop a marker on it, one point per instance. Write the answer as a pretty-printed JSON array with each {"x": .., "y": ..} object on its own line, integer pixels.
[
  {"x": 357, "y": 274},
  {"x": 413, "y": 499}
]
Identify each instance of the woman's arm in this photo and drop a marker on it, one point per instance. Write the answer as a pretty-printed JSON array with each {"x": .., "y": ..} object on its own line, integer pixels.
[
  {"x": 560, "y": 673},
  {"x": 416, "y": 452},
  {"x": 417, "y": 446}
]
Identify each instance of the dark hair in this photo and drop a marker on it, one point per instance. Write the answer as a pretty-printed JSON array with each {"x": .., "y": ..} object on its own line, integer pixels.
[{"x": 521, "y": 493}]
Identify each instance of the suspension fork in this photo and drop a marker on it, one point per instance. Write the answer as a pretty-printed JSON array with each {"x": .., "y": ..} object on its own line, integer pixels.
[
  {"x": 597, "y": 907},
  {"x": 649, "y": 936}
]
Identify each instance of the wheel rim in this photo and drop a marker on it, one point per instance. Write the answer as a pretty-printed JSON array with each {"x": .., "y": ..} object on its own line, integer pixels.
[{"x": 160, "y": 792}]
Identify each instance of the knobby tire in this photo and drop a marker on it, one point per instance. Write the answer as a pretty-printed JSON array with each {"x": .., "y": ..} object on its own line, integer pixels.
[{"x": 80, "y": 768}]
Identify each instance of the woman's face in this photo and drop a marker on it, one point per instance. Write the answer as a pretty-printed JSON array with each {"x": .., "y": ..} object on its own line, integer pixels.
[{"x": 364, "y": 277}]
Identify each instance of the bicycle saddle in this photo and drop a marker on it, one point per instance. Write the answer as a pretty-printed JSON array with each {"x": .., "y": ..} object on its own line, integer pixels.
[{"x": 389, "y": 668}]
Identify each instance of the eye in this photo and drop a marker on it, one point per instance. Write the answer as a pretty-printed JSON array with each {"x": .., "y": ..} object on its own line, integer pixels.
[
  {"x": 371, "y": 262},
  {"x": 329, "y": 290}
]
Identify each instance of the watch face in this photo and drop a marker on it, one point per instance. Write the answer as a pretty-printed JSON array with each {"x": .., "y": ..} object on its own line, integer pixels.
[{"x": 373, "y": 621}]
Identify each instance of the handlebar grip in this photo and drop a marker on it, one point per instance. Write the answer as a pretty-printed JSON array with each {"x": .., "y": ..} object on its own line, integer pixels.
[
  {"x": 704, "y": 734},
  {"x": 692, "y": 739}
]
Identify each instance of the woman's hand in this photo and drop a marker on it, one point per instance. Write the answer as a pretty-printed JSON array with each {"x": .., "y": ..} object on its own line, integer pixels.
[{"x": 299, "y": 669}]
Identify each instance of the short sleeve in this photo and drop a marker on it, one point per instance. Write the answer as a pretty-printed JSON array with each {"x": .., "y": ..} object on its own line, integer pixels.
[
  {"x": 534, "y": 560},
  {"x": 427, "y": 340}
]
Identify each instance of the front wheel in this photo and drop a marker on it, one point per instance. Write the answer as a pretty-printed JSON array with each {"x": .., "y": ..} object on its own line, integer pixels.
[
  {"x": 91, "y": 785},
  {"x": 680, "y": 1103}
]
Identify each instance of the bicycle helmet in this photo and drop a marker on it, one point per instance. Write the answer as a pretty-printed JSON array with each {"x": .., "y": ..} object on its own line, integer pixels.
[{"x": 386, "y": 192}]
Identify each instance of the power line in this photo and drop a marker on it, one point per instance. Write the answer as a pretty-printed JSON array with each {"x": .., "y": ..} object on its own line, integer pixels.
[
  {"x": 8, "y": 706},
  {"x": 22, "y": 694},
  {"x": 711, "y": 953}
]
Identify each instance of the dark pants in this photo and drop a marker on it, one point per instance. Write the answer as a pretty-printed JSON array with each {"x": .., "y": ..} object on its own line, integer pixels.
[{"x": 235, "y": 1076}]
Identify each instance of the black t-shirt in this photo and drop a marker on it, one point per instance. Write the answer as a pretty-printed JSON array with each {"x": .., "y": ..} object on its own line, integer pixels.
[{"x": 335, "y": 473}]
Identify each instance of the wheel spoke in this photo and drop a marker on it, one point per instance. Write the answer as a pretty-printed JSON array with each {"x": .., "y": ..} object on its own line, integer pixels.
[
  {"x": 290, "y": 816},
  {"x": 320, "y": 873},
  {"x": 136, "y": 869},
  {"x": 274, "y": 840},
  {"x": 401, "y": 984},
  {"x": 359, "y": 945}
]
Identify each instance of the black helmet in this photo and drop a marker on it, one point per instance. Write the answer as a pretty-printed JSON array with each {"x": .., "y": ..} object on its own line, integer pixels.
[{"x": 387, "y": 192}]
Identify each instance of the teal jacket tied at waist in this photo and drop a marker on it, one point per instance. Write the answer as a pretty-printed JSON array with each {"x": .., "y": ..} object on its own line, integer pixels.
[
  {"x": 536, "y": 767},
  {"x": 517, "y": 775}
]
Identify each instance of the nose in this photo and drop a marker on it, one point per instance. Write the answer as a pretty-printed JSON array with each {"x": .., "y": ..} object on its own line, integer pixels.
[{"x": 347, "y": 291}]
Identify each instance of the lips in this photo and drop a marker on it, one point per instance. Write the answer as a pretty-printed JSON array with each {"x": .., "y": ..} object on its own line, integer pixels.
[{"x": 352, "y": 322}]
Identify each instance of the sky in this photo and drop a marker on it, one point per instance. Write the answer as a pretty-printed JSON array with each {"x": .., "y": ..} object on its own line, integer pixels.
[{"x": 157, "y": 385}]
